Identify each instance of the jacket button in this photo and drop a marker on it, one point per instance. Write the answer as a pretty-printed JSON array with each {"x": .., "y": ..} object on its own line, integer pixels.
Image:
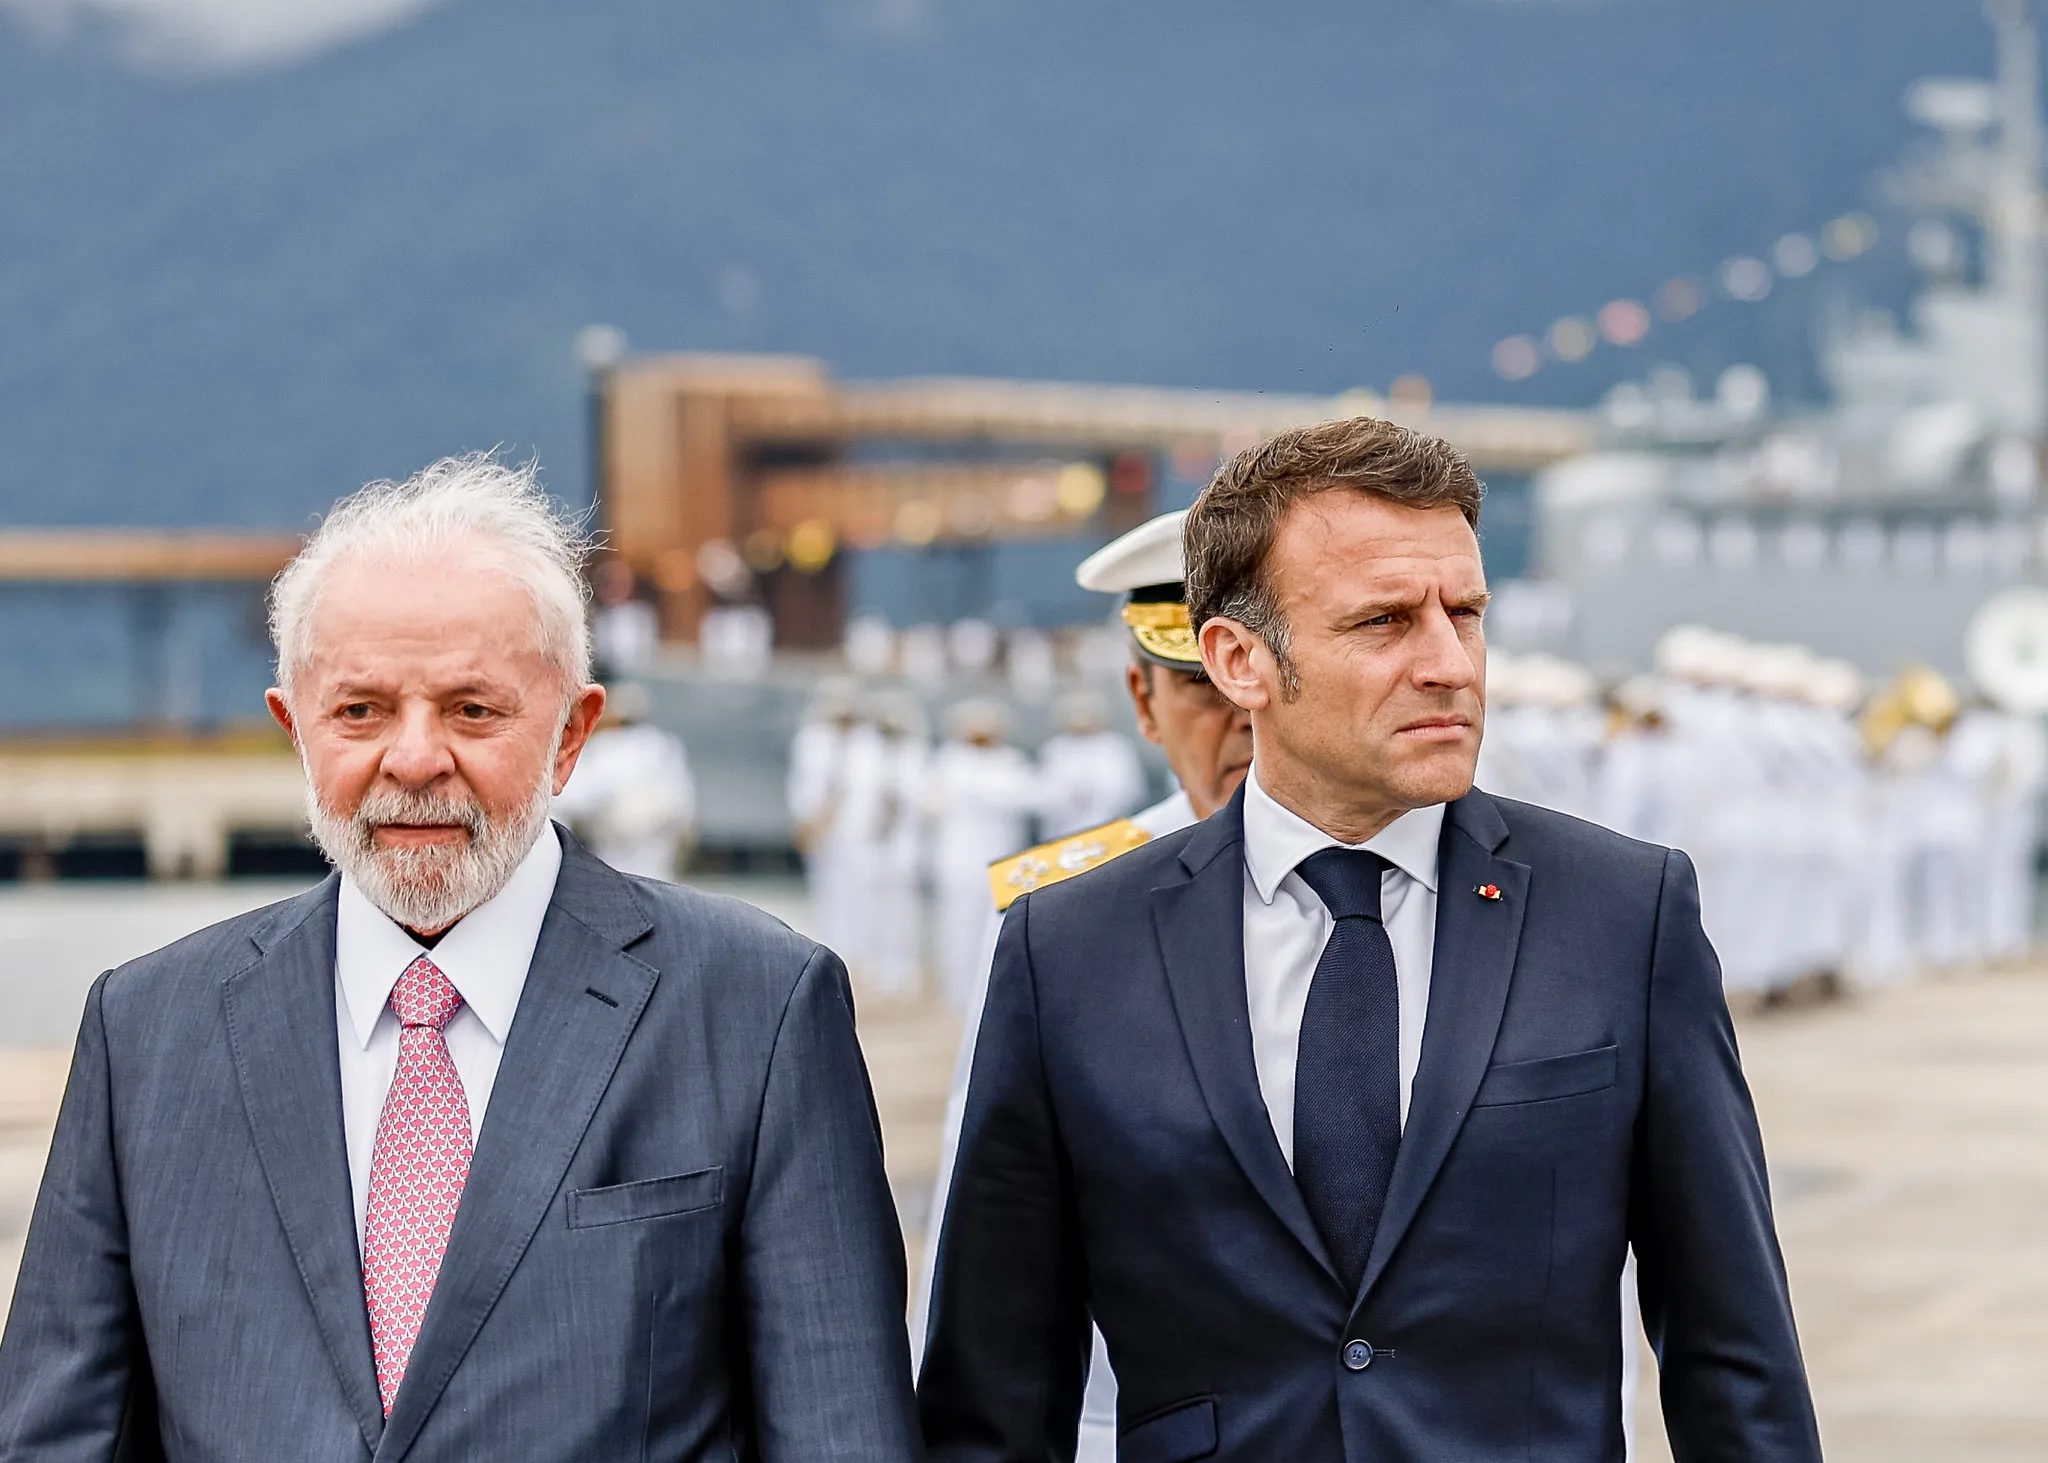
[{"x": 1357, "y": 1355}]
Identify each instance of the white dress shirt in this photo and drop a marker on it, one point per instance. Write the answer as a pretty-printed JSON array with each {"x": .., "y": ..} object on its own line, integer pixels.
[
  {"x": 1286, "y": 926},
  {"x": 486, "y": 956}
]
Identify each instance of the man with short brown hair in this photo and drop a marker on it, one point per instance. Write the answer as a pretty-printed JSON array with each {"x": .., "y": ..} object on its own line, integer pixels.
[
  {"x": 1339, "y": 1111},
  {"x": 1231, "y": 530}
]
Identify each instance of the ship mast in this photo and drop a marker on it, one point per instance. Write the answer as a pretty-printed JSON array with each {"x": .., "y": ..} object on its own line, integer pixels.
[
  {"x": 2012, "y": 213},
  {"x": 1986, "y": 344}
]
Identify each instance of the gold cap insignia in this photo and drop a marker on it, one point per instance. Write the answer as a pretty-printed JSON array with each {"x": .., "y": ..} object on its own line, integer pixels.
[
  {"x": 1012, "y": 878},
  {"x": 1162, "y": 629}
]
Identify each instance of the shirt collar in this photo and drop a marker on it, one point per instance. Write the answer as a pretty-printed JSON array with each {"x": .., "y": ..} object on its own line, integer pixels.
[
  {"x": 1277, "y": 839},
  {"x": 485, "y": 956}
]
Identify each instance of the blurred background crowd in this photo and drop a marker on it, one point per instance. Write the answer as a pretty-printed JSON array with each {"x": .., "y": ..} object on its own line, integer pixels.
[{"x": 1845, "y": 831}]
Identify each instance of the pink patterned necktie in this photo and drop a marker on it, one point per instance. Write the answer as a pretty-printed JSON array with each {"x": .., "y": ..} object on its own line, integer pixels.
[{"x": 417, "y": 1171}]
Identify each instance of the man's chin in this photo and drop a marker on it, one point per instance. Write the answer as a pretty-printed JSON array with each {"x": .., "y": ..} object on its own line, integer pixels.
[
  {"x": 423, "y": 887},
  {"x": 1440, "y": 779}
]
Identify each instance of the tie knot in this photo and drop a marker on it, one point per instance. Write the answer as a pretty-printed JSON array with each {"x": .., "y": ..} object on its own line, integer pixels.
[
  {"x": 1347, "y": 880},
  {"x": 424, "y": 996}
]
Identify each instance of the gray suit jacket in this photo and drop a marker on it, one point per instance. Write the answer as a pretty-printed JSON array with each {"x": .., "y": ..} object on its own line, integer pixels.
[{"x": 677, "y": 1241}]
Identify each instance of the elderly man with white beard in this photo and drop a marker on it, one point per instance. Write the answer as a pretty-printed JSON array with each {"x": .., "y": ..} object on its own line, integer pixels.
[{"x": 480, "y": 1149}]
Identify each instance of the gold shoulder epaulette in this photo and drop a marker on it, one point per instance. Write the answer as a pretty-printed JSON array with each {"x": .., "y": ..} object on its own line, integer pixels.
[{"x": 1012, "y": 878}]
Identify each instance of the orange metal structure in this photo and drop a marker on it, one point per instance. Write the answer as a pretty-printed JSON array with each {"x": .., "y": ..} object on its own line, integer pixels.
[{"x": 704, "y": 457}]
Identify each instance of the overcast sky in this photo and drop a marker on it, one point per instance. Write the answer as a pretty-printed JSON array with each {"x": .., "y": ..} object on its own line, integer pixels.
[{"x": 213, "y": 35}]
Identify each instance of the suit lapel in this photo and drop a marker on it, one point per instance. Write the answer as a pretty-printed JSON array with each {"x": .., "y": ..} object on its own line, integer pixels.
[
  {"x": 560, "y": 1054},
  {"x": 1474, "y": 959},
  {"x": 1199, "y": 921},
  {"x": 281, "y": 1030}
]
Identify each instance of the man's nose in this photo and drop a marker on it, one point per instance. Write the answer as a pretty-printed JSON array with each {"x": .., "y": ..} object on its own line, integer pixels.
[
  {"x": 418, "y": 751},
  {"x": 1442, "y": 657}
]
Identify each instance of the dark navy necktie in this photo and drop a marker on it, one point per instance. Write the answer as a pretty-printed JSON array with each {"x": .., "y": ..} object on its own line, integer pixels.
[{"x": 1347, "y": 1072}]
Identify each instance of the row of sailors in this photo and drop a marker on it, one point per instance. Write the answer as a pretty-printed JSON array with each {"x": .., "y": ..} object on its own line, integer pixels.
[
  {"x": 879, "y": 812},
  {"x": 1825, "y": 842},
  {"x": 1834, "y": 833}
]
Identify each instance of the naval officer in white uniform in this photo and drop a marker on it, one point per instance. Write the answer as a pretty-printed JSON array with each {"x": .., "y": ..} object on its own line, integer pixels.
[{"x": 1208, "y": 745}]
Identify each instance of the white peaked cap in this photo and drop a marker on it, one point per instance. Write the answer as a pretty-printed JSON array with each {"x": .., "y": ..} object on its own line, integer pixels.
[{"x": 1148, "y": 554}]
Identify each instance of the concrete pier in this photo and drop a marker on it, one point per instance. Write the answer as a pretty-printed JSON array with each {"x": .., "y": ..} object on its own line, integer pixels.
[{"x": 183, "y": 803}]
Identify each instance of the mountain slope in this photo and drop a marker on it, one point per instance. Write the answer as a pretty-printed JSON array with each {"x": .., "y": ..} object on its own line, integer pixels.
[{"x": 227, "y": 299}]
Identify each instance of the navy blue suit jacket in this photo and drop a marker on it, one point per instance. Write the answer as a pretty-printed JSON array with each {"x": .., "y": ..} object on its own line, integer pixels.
[
  {"x": 1579, "y": 1090},
  {"x": 676, "y": 1243}
]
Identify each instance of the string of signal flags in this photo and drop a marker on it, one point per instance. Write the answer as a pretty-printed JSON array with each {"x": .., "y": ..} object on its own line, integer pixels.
[{"x": 1744, "y": 279}]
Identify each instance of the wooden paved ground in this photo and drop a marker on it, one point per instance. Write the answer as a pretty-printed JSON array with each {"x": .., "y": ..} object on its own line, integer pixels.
[{"x": 1908, "y": 1136}]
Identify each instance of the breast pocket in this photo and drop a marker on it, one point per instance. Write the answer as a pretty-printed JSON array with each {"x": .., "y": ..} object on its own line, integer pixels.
[
  {"x": 1547, "y": 1078},
  {"x": 683, "y": 1193}
]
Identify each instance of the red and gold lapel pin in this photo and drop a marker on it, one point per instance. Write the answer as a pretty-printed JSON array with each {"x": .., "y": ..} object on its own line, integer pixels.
[{"x": 1488, "y": 891}]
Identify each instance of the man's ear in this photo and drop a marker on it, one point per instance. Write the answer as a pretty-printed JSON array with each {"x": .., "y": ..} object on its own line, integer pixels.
[
  {"x": 1138, "y": 681},
  {"x": 1238, "y": 663},
  {"x": 281, "y": 713},
  {"x": 585, "y": 711}
]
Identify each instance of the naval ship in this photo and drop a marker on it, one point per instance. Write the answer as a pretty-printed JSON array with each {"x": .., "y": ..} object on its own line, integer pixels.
[{"x": 1875, "y": 527}]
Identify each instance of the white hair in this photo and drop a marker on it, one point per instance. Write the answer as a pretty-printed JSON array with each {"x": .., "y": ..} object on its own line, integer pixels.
[{"x": 469, "y": 498}]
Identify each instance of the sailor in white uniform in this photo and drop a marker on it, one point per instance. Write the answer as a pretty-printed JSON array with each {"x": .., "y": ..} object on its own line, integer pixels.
[
  {"x": 980, "y": 793},
  {"x": 1641, "y": 775},
  {"x": 632, "y": 796},
  {"x": 1089, "y": 773},
  {"x": 884, "y": 828},
  {"x": 2004, "y": 758},
  {"x": 1208, "y": 745},
  {"x": 1925, "y": 835},
  {"x": 820, "y": 765}
]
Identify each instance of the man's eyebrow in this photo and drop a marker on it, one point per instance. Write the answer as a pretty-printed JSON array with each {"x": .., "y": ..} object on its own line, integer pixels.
[
  {"x": 1394, "y": 601},
  {"x": 1388, "y": 602},
  {"x": 479, "y": 690}
]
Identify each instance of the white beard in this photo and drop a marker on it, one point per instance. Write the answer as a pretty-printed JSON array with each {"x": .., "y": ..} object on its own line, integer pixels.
[{"x": 430, "y": 887}]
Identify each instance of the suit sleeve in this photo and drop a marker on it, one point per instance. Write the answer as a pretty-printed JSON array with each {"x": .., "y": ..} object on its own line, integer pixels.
[
  {"x": 74, "y": 1375},
  {"x": 1008, "y": 1351},
  {"x": 1712, "y": 1278},
  {"x": 822, "y": 1256},
  {"x": 949, "y": 1142}
]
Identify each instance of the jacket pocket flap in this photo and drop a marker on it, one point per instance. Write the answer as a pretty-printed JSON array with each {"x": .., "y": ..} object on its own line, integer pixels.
[
  {"x": 1548, "y": 1077},
  {"x": 1186, "y": 1430},
  {"x": 684, "y": 1193}
]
